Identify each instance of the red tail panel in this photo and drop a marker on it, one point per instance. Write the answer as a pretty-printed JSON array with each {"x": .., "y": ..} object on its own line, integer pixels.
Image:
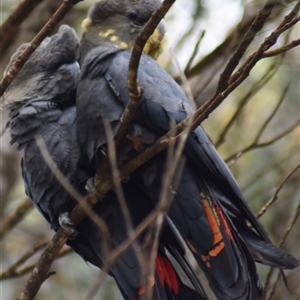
[{"x": 166, "y": 273}]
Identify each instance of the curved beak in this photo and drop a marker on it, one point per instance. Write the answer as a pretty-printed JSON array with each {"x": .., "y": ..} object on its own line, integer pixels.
[{"x": 161, "y": 27}]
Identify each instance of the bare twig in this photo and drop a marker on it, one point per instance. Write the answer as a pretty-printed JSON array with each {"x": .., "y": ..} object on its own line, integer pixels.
[
  {"x": 196, "y": 14},
  {"x": 112, "y": 157},
  {"x": 263, "y": 144},
  {"x": 282, "y": 49},
  {"x": 14, "y": 271},
  {"x": 250, "y": 62},
  {"x": 213, "y": 73},
  {"x": 24, "y": 56},
  {"x": 269, "y": 119},
  {"x": 94, "y": 288},
  {"x": 254, "y": 89},
  {"x": 11, "y": 271},
  {"x": 225, "y": 47},
  {"x": 17, "y": 16},
  {"x": 195, "y": 52},
  {"x": 291, "y": 153},
  {"x": 41, "y": 269},
  {"x": 278, "y": 189},
  {"x": 257, "y": 25},
  {"x": 15, "y": 217},
  {"x": 148, "y": 221},
  {"x": 289, "y": 227}
]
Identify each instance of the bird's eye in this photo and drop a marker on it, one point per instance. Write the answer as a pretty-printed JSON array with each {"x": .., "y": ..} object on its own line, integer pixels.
[
  {"x": 131, "y": 15},
  {"x": 42, "y": 67}
]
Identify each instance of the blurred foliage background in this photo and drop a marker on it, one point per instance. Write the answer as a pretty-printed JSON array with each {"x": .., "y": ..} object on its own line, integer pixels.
[{"x": 259, "y": 164}]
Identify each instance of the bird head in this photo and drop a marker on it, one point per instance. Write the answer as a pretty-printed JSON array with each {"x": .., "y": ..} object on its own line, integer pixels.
[
  {"x": 51, "y": 72},
  {"x": 116, "y": 23}
]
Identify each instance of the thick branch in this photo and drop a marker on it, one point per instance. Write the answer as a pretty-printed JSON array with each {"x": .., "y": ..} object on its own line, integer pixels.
[
  {"x": 41, "y": 270},
  {"x": 20, "y": 61}
]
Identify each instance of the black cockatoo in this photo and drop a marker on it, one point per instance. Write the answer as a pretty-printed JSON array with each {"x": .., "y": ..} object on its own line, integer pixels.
[
  {"x": 208, "y": 208},
  {"x": 41, "y": 101}
]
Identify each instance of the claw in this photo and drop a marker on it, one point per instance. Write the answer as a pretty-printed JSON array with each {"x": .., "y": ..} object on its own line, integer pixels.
[
  {"x": 66, "y": 224},
  {"x": 92, "y": 189}
]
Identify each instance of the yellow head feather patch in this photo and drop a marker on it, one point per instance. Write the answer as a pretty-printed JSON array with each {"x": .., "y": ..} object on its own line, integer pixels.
[
  {"x": 107, "y": 33},
  {"x": 111, "y": 35},
  {"x": 86, "y": 23}
]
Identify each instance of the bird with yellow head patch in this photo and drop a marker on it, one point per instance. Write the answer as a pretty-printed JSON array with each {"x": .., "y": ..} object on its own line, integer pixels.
[{"x": 208, "y": 208}]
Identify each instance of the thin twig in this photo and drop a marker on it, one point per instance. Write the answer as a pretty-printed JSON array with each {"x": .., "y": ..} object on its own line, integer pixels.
[
  {"x": 273, "y": 113},
  {"x": 94, "y": 288},
  {"x": 11, "y": 271},
  {"x": 257, "y": 25},
  {"x": 115, "y": 175},
  {"x": 278, "y": 189},
  {"x": 263, "y": 144},
  {"x": 282, "y": 49},
  {"x": 269, "y": 41},
  {"x": 289, "y": 227},
  {"x": 12, "y": 220},
  {"x": 253, "y": 90},
  {"x": 291, "y": 152},
  {"x": 195, "y": 52},
  {"x": 225, "y": 47},
  {"x": 14, "y": 271}
]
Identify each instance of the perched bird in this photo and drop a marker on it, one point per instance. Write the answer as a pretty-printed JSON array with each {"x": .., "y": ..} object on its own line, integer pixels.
[
  {"x": 41, "y": 101},
  {"x": 208, "y": 207}
]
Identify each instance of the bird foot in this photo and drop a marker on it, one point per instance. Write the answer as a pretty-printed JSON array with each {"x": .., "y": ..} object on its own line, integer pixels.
[
  {"x": 92, "y": 189},
  {"x": 67, "y": 225}
]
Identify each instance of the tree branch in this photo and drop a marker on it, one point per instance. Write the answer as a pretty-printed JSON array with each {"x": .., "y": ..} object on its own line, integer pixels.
[
  {"x": 256, "y": 26},
  {"x": 291, "y": 224},
  {"x": 278, "y": 189},
  {"x": 257, "y": 145},
  {"x": 242, "y": 103},
  {"x": 282, "y": 49},
  {"x": 15, "y": 217}
]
